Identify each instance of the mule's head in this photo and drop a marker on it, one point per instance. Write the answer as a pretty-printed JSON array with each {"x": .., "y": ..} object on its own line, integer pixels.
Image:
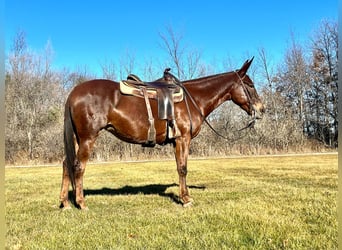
[{"x": 244, "y": 93}]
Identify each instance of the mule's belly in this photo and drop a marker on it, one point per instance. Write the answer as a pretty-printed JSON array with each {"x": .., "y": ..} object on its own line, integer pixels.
[{"x": 129, "y": 121}]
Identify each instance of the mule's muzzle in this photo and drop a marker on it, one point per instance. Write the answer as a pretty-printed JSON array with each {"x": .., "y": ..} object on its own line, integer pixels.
[{"x": 259, "y": 110}]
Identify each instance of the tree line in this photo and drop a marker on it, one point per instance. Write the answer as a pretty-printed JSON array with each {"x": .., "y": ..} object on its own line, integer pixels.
[{"x": 300, "y": 94}]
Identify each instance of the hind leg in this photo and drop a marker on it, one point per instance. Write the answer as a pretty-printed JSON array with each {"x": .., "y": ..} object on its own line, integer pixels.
[
  {"x": 65, "y": 187},
  {"x": 84, "y": 151},
  {"x": 66, "y": 179}
]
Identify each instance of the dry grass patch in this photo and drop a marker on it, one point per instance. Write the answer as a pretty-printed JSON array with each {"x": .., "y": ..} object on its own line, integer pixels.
[{"x": 240, "y": 203}]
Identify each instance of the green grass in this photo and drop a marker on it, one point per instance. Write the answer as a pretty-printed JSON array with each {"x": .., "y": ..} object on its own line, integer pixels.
[{"x": 240, "y": 203}]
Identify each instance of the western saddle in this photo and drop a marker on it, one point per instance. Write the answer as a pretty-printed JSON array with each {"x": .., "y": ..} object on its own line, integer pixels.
[{"x": 166, "y": 91}]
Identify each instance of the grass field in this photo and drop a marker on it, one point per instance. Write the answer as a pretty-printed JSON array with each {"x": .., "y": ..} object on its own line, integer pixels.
[{"x": 284, "y": 202}]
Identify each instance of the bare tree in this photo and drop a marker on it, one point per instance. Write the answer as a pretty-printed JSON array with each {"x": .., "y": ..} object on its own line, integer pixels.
[
  {"x": 108, "y": 70},
  {"x": 186, "y": 61},
  {"x": 171, "y": 42},
  {"x": 150, "y": 71},
  {"x": 265, "y": 68},
  {"x": 127, "y": 64},
  {"x": 33, "y": 101},
  {"x": 293, "y": 79},
  {"x": 322, "y": 96}
]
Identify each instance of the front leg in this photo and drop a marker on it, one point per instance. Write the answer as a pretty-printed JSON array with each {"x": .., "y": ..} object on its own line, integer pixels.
[{"x": 182, "y": 145}]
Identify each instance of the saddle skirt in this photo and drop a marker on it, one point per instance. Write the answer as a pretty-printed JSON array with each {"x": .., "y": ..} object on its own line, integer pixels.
[{"x": 129, "y": 87}]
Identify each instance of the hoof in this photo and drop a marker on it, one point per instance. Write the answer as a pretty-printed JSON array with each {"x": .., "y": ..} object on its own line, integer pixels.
[
  {"x": 64, "y": 205},
  {"x": 84, "y": 208},
  {"x": 66, "y": 208},
  {"x": 188, "y": 203},
  {"x": 81, "y": 205}
]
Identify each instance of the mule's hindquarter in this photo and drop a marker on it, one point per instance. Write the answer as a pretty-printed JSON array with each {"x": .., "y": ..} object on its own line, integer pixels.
[{"x": 97, "y": 105}]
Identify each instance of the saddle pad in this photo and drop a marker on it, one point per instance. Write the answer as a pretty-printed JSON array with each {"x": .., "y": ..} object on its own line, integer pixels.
[{"x": 129, "y": 89}]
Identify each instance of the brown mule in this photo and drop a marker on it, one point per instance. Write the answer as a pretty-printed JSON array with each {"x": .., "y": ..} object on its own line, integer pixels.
[{"x": 99, "y": 105}]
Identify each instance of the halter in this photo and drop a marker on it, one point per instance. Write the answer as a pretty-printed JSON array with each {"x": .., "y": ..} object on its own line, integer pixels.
[{"x": 252, "y": 122}]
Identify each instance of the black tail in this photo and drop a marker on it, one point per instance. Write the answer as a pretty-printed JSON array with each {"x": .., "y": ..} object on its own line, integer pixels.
[{"x": 69, "y": 144}]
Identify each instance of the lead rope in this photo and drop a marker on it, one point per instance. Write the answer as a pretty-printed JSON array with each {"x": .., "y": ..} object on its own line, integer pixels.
[
  {"x": 250, "y": 124},
  {"x": 189, "y": 114}
]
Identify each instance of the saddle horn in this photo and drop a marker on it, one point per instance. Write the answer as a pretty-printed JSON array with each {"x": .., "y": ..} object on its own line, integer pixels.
[{"x": 170, "y": 77}]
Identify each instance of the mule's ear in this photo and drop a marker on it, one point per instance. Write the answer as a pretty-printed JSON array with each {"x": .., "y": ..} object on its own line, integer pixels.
[{"x": 242, "y": 72}]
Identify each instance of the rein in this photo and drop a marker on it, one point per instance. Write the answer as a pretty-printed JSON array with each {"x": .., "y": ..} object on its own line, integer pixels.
[{"x": 249, "y": 125}]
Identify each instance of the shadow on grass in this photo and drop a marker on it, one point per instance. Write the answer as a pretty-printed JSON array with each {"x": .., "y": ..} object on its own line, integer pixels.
[{"x": 159, "y": 189}]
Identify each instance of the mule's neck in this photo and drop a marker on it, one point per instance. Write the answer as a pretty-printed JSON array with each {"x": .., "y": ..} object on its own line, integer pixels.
[{"x": 210, "y": 92}]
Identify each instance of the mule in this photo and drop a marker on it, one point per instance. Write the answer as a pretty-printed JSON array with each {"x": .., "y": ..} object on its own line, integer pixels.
[{"x": 98, "y": 105}]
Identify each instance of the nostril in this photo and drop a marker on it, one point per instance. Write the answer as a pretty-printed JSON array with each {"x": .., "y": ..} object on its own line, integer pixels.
[{"x": 262, "y": 109}]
